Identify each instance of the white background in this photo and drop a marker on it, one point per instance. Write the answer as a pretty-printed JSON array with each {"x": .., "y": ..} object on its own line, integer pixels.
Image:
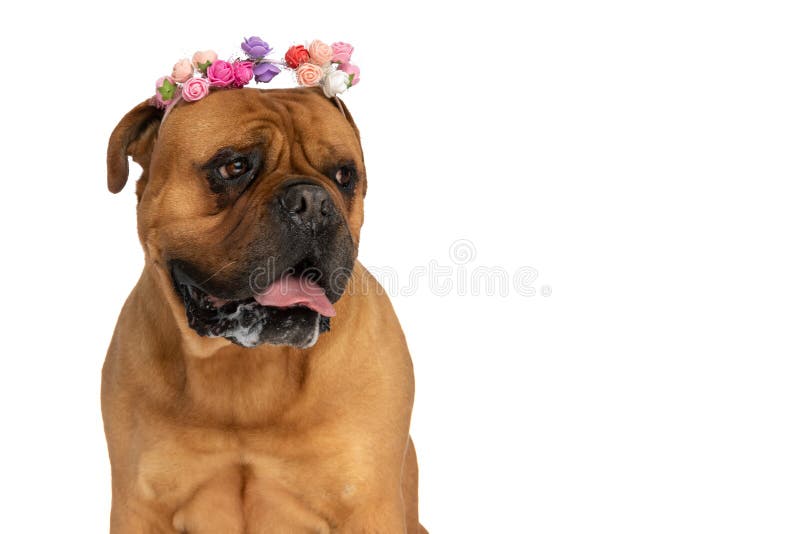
[{"x": 642, "y": 156}]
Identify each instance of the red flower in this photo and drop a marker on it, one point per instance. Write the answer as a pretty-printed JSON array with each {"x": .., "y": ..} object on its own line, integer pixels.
[{"x": 296, "y": 56}]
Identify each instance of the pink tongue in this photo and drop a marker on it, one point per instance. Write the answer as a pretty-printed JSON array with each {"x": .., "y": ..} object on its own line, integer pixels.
[{"x": 292, "y": 291}]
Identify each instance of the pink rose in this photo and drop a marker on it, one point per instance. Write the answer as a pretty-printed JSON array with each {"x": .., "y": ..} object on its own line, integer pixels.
[
  {"x": 309, "y": 74},
  {"x": 182, "y": 70},
  {"x": 166, "y": 87},
  {"x": 319, "y": 52},
  {"x": 220, "y": 73},
  {"x": 202, "y": 59},
  {"x": 353, "y": 71},
  {"x": 195, "y": 89},
  {"x": 341, "y": 52},
  {"x": 242, "y": 72}
]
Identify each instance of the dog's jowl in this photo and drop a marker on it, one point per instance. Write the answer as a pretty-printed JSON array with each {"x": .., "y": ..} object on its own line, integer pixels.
[{"x": 258, "y": 379}]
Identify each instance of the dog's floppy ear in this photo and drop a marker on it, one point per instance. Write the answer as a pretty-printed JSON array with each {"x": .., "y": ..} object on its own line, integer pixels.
[
  {"x": 134, "y": 136},
  {"x": 346, "y": 112}
]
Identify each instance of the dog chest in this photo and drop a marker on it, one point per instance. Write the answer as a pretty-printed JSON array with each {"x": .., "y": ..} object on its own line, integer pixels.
[{"x": 224, "y": 489}]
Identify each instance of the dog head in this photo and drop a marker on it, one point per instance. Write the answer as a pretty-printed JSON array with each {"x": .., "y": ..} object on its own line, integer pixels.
[{"x": 250, "y": 204}]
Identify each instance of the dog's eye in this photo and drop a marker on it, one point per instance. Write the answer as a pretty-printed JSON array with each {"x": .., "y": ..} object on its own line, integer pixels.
[
  {"x": 234, "y": 168},
  {"x": 345, "y": 175}
]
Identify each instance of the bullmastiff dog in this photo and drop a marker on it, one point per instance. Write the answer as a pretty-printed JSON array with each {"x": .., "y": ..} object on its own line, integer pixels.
[{"x": 257, "y": 380}]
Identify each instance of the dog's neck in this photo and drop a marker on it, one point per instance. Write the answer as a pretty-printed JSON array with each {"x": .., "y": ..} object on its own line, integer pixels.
[{"x": 211, "y": 377}]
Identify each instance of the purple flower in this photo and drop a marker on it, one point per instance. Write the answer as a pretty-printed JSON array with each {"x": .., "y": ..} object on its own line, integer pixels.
[
  {"x": 255, "y": 47},
  {"x": 264, "y": 72}
]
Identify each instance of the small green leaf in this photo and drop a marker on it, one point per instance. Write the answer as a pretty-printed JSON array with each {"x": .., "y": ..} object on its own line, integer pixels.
[
  {"x": 203, "y": 67},
  {"x": 167, "y": 90}
]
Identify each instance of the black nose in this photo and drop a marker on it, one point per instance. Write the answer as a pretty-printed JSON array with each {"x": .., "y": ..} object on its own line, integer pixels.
[{"x": 309, "y": 203}]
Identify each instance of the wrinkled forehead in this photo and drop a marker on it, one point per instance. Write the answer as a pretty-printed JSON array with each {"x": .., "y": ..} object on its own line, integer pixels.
[{"x": 245, "y": 117}]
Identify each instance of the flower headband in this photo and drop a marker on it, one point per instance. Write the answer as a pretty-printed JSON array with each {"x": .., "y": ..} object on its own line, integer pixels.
[{"x": 318, "y": 64}]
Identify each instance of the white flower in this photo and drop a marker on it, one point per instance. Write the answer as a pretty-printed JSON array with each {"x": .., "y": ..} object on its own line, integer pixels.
[{"x": 335, "y": 82}]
